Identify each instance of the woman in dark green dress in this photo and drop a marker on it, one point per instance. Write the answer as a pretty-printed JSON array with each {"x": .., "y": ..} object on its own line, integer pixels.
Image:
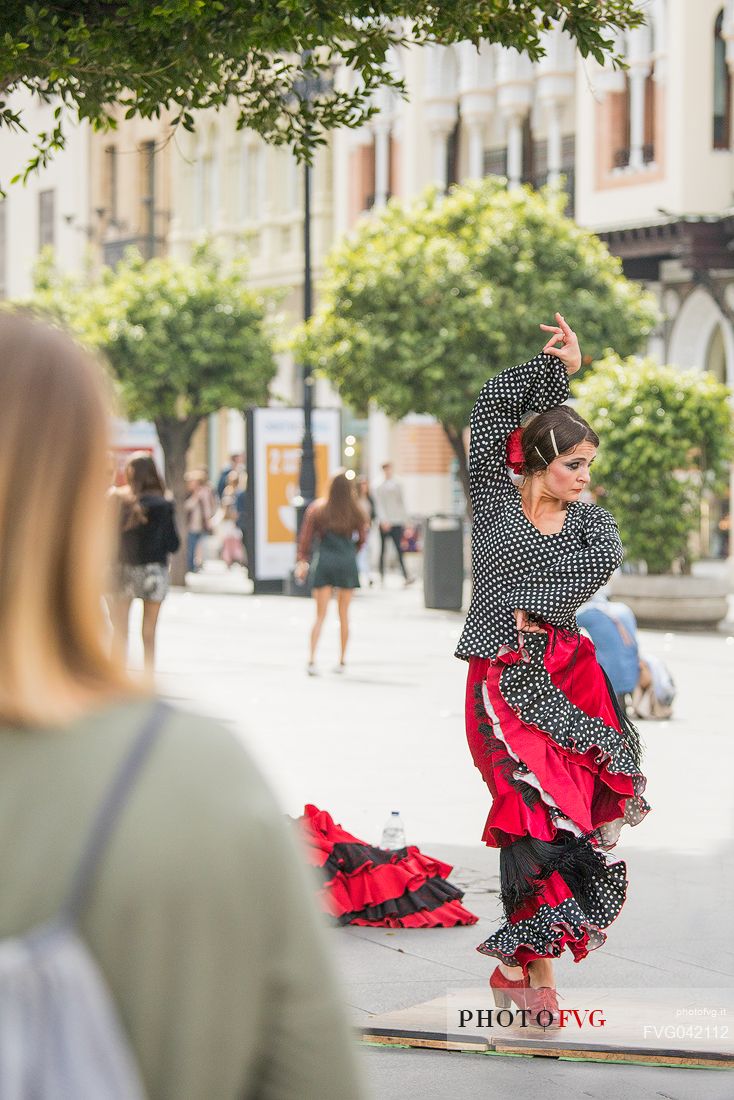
[{"x": 334, "y": 529}]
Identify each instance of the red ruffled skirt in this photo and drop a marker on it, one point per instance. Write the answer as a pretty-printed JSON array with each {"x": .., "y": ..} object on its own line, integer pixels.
[
  {"x": 366, "y": 885},
  {"x": 562, "y": 764}
]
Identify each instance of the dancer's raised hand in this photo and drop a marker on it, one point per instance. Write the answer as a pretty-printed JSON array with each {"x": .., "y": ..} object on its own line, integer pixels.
[{"x": 568, "y": 350}]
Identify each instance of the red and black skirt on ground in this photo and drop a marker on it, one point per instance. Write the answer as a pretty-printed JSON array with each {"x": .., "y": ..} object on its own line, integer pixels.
[
  {"x": 562, "y": 764},
  {"x": 366, "y": 885}
]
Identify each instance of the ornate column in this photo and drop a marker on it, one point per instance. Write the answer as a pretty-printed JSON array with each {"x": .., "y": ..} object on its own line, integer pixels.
[
  {"x": 476, "y": 98},
  {"x": 555, "y": 158},
  {"x": 441, "y": 118},
  {"x": 439, "y": 128},
  {"x": 514, "y": 122},
  {"x": 554, "y": 89},
  {"x": 440, "y": 107},
  {"x": 514, "y": 99}
]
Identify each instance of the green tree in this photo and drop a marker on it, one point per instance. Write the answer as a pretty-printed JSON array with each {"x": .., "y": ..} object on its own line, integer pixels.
[
  {"x": 666, "y": 440},
  {"x": 186, "y": 55},
  {"x": 428, "y": 298},
  {"x": 182, "y": 340}
]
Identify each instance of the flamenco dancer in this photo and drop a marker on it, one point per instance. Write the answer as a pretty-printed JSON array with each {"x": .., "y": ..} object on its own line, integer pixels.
[{"x": 561, "y": 761}]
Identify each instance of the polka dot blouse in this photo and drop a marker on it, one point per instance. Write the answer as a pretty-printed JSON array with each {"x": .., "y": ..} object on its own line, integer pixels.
[{"x": 514, "y": 565}]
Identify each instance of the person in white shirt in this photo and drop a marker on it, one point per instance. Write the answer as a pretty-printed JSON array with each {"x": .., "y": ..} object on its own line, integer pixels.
[{"x": 392, "y": 517}]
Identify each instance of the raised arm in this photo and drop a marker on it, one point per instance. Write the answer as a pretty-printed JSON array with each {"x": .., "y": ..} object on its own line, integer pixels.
[
  {"x": 540, "y": 384},
  {"x": 556, "y": 591}
]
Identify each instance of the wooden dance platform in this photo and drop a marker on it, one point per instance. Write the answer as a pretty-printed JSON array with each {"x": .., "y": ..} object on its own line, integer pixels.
[{"x": 656, "y": 1027}]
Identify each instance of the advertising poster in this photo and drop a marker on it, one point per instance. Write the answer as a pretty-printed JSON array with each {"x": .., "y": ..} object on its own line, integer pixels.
[{"x": 274, "y": 461}]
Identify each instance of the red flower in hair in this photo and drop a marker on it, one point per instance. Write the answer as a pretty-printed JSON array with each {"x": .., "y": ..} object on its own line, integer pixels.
[{"x": 515, "y": 459}]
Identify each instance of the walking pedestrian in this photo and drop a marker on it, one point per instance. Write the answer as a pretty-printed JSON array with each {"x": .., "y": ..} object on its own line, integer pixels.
[
  {"x": 392, "y": 516},
  {"x": 199, "y": 508},
  {"x": 334, "y": 529},
  {"x": 147, "y": 537},
  {"x": 187, "y": 952},
  {"x": 560, "y": 758},
  {"x": 367, "y": 504}
]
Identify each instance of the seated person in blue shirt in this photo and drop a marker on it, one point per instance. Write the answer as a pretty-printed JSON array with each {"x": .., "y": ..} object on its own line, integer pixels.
[{"x": 612, "y": 627}]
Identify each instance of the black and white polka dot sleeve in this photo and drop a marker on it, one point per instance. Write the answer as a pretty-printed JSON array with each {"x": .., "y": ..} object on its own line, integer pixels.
[
  {"x": 540, "y": 384},
  {"x": 556, "y": 590}
]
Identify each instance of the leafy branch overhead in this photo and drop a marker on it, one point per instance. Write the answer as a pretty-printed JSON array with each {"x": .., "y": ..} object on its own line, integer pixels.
[{"x": 187, "y": 55}]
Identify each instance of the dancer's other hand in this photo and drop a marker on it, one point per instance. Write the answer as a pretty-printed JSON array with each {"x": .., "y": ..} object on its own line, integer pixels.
[
  {"x": 526, "y": 625},
  {"x": 301, "y": 571},
  {"x": 568, "y": 352}
]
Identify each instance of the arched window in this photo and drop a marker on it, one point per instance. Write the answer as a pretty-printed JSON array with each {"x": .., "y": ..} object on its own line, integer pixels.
[
  {"x": 722, "y": 90},
  {"x": 715, "y": 361}
]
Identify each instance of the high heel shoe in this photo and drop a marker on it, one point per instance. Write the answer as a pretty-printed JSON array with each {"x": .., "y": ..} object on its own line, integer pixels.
[
  {"x": 536, "y": 1000},
  {"x": 505, "y": 990},
  {"x": 543, "y": 999}
]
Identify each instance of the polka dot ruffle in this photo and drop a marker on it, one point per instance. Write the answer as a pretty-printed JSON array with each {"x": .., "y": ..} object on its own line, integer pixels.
[
  {"x": 528, "y": 688},
  {"x": 542, "y": 932}
]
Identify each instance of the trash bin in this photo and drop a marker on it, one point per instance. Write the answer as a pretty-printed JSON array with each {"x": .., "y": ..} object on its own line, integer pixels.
[{"x": 443, "y": 562}]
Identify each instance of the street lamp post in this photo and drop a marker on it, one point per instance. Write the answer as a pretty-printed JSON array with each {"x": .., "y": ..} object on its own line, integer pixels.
[
  {"x": 307, "y": 89},
  {"x": 307, "y": 477}
]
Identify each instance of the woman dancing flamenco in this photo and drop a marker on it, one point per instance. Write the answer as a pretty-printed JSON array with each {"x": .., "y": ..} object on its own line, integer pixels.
[{"x": 561, "y": 761}]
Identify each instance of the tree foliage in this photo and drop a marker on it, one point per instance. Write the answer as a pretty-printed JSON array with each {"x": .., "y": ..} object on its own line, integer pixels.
[
  {"x": 666, "y": 440},
  {"x": 428, "y": 298},
  {"x": 182, "y": 340},
  {"x": 186, "y": 55}
]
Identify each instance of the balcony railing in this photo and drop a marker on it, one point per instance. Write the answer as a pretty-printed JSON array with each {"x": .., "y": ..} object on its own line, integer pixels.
[
  {"x": 369, "y": 202},
  {"x": 622, "y": 156},
  {"x": 113, "y": 251}
]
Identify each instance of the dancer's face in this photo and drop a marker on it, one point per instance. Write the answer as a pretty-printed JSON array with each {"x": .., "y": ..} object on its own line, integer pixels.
[{"x": 569, "y": 474}]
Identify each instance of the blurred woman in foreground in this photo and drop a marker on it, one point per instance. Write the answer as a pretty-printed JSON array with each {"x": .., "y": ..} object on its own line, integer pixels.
[{"x": 200, "y": 914}]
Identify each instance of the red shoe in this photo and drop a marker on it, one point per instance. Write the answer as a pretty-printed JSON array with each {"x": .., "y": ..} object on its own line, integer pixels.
[
  {"x": 505, "y": 990},
  {"x": 543, "y": 1000}
]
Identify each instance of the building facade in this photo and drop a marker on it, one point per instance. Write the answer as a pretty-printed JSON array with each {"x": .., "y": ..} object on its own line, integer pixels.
[
  {"x": 229, "y": 187},
  {"x": 51, "y": 209},
  {"x": 645, "y": 155},
  {"x": 130, "y": 188}
]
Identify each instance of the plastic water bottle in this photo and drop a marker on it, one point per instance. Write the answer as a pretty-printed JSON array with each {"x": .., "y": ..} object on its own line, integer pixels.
[{"x": 393, "y": 835}]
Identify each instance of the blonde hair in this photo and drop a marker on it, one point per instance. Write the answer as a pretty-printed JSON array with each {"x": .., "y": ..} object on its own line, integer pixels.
[{"x": 54, "y": 539}]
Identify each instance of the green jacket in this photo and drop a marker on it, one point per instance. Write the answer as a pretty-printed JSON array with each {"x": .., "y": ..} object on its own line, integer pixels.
[{"x": 202, "y": 917}]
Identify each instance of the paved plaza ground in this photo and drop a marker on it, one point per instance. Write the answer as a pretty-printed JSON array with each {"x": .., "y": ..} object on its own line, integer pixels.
[{"x": 389, "y": 735}]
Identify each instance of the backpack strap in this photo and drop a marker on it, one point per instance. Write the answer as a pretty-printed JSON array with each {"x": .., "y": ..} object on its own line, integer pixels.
[{"x": 108, "y": 814}]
